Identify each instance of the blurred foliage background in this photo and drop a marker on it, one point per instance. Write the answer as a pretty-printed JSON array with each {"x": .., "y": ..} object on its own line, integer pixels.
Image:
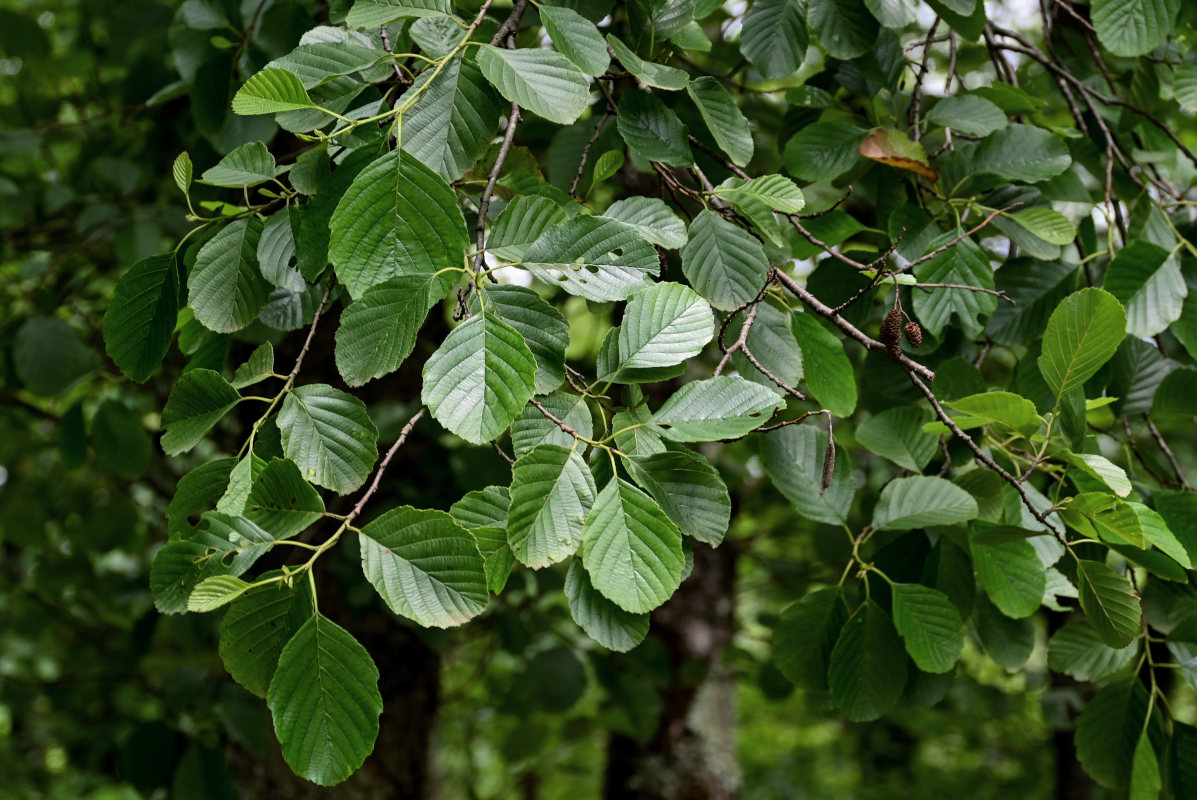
[{"x": 103, "y": 698}]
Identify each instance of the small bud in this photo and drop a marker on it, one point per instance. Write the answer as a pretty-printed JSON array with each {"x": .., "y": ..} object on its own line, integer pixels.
[{"x": 914, "y": 334}]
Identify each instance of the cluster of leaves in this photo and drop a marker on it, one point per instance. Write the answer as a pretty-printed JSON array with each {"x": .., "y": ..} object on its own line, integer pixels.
[{"x": 375, "y": 168}]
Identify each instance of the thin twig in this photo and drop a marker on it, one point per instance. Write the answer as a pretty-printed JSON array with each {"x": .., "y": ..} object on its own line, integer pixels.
[
  {"x": 562, "y": 424},
  {"x": 1163, "y": 445},
  {"x": 598, "y": 130},
  {"x": 307, "y": 343},
  {"x": 510, "y": 461},
  {"x": 484, "y": 201},
  {"x": 508, "y": 26},
  {"x": 927, "y": 287},
  {"x": 382, "y": 465}
]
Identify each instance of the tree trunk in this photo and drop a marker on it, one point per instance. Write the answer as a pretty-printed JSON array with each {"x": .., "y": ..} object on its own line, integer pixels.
[{"x": 692, "y": 754}]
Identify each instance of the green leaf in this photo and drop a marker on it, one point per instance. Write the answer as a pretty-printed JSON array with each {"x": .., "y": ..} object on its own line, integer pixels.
[
  {"x": 247, "y": 165},
  {"x": 120, "y": 440},
  {"x": 723, "y": 262},
  {"x": 1105, "y": 516},
  {"x": 658, "y": 76},
  {"x": 1184, "y": 86},
  {"x": 965, "y": 264},
  {"x": 1133, "y": 27},
  {"x": 540, "y": 81},
  {"x": 200, "y": 487},
  {"x": 257, "y": 368},
  {"x": 689, "y": 491},
  {"x": 724, "y": 119},
  {"x": 576, "y": 38},
  {"x": 823, "y": 150},
  {"x": 594, "y": 257},
  {"x": 663, "y": 325},
  {"x": 240, "y": 483},
  {"x": 397, "y": 218},
  {"x": 140, "y": 318},
  {"x": 334, "y": 55},
  {"x": 1082, "y": 334},
  {"x": 454, "y": 120},
  {"x": 325, "y": 702},
  {"x": 373, "y": 13},
  {"x": 257, "y": 626},
  {"x": 224, "y": 545},
  {"x": 1109, "y": 603},
  {"x": 929, "y": 624},
  {"x": 197, "y": 402},
  {"x": 806, "y": 634},
  {"x": 1009, "y": 642},
  {"x": 1147, "y": 281},
  {"x": 276, "y": 251},
  {"x": 844, "y": 28},
  {"x": 182, "y": 171},
  {"x": 552, "y": 492},
  {"x": 425, "y": 566},
  {"x": 603, "y": 621},
  {"x": 1004, "y": 409},
  {"x": 1145, "y": 783},
  {"x": 1175, "y": 396},
  {"x": 1049, "y": 225},
  {"x": 1036, "y": 287},
  {"x": 329, "y": 436},
  {"x": 774, "y": 37},
  {"x": 968, "y": 114},
  {"x": 607, "y": 165},
  {"x": 724, "y": 407},
  {"x": 1100, "y": 467},
  {"x": 1108, "y": 731},
  {"x": 532, "y": 427},
  {"x": 632, "y": 551},
  {"x": 225, "y": 289},
  {"x": 829, "y": 374},
  {"x": 1011, "y": 574},
  {"x": 920, "y": 501},
  {"x": 775, "y": 191},
  {"x": 480, "y": 378},
  {"x": 544, "y": 330},
  {"x": 521, "y": 223},
  {"x": 281, "y": 502},
  {"x": 484, "y": 514},
  {"x": 655, "y": 221},
  {"x": 378, "y": 332},
  {"x": 1077, "y": 650},
  {"x": 270, "y": 91},
  {"x": 653, "y": 130},
  {"x": 1022, "y": 153},
  {"x": 867, "y": 671},
  {"x": 897, "y": 434},
  {"x": 793, "y": 459},
  {"x": 214, "y": 592}
]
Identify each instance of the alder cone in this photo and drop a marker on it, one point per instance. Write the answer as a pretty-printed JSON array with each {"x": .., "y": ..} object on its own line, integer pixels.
[
  {"x": 914, "y": 334},
  {"x": 891, "y": 329}
]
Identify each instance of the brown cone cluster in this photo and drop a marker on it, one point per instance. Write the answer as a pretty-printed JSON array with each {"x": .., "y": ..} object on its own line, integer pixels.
[{"x": 891, "y": 333}]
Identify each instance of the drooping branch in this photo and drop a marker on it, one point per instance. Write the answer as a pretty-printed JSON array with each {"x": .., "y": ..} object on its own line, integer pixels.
[
  {"x": 823, "y": 310},
  {"x": 982, "y": 456}
]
